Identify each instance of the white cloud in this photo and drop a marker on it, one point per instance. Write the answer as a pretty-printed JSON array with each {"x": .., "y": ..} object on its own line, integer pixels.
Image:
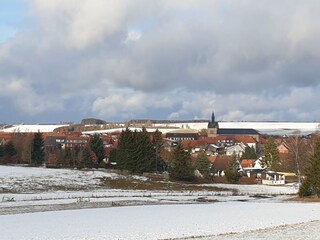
[
  {"x": 173, "y": 59},
  {"x": 132, "y": 36},
  {"x": 119, "y": 105},
  {"x": 80, "y": 23}
]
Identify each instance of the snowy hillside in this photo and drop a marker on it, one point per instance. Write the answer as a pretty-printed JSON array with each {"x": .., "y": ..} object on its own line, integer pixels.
[{"x": 32, "y": 128}]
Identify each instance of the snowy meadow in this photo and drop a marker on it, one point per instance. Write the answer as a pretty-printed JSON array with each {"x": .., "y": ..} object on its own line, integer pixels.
[{"x": 40, "y": 203}]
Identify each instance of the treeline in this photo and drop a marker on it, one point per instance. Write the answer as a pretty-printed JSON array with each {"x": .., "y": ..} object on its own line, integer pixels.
[
  {"x": 139, "y": 152},
  {"x": 30, "y": 149}
]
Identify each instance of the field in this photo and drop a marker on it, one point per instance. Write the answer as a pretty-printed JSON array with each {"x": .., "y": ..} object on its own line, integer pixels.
[{"x": 39, "y": 203}]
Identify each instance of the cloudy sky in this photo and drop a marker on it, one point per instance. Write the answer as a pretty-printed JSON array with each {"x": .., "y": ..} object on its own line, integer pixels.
[{"x": 64, "y": 60}]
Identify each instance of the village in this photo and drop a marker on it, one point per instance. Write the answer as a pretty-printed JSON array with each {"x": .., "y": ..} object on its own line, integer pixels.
[{"x": 246, "y": 146}]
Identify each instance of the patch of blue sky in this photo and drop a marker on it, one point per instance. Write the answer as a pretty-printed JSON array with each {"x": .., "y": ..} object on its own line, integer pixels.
[{"x": 12, "y": 14}]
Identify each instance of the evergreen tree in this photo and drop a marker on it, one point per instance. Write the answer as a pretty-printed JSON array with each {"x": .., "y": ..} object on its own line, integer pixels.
[
  {"x": 88, "y": 158},
  {"x": 181, "y": 166},
  {"x": 1, "y": 151},
  {"x": 135, "y": 152},
  {"x": 97, "y": 147},
  {"x": 249, "y": 153},
  {"x": 158, "y": 146},
  {"x": 232, "y": 174},
  {"x": 67, "y": 159},
  {"x": 311, "y": 184},
  {"x": 142, "y": 154},
  {"x": 9, "y": 149},
  {"x": 203, "y": 164},
  {"x": 124, "y": 145},
  {"x": 271, "y": 157},
  {"x": 37, "y": 153},
  {"x": 9, "y": 153}
]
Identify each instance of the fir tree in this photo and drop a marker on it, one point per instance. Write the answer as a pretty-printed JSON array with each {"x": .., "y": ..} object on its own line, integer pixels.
[
  {"x": 181, "y": 166},
  {"x": 9, "y": 153},
  {"x": 158, "y": 146},
  {"x": 232, "y": 174},
  {"x": 124, "y": 145},
  {"x": 37, "y": 153},
  {"x": 88, "y": 158},
  {"x": 249, "y": 153},
  {"x": 97, "y": 147},
  {"x": 141, "y": 155},
  {"x": 1, "y": 151},
  {"x": 311, "y": 184},
  {"x": 203, "y": 164},
  {"x": 271, "y": 157},
  {"x": 9, "y": 149}
]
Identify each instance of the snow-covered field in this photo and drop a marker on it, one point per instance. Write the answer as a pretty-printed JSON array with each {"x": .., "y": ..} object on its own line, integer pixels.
[
  {"x": 164, "y": 221},
  {"x": 34, "y": 128},
  {"x": 33, "y": 205}
]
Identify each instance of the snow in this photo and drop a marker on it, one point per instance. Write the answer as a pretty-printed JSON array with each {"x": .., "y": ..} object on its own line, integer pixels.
[
  {"x": 263, "y": 127},
  {"x": 156, "y": 222},
  {"x": 30, "y": 179},
  {"x": 31, "y": 208},
  {"x": 261, "y": 189},
  {"x": 34, "y": 128}
]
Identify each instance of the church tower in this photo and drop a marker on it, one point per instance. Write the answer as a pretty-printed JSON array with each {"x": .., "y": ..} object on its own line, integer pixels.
[{"x": 213, "y": 126}]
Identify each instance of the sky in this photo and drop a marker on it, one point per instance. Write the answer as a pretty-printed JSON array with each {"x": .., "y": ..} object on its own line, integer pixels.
[{"x": 246, "y": 60}]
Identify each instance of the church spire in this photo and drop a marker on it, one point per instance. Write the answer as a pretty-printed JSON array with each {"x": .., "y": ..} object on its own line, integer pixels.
[{"x": 213, "y": 117}]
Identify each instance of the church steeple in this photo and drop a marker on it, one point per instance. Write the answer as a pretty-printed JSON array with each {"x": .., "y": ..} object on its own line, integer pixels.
[
  {"x": 212, "y": 126},
  {"x": 212, "y": 117}
]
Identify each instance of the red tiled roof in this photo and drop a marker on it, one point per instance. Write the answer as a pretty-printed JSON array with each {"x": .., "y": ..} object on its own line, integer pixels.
[
  {"x": 245, "y": 139},
  {"x": 245, "y": 163},
  {"x": 189, "y": 144},
  {"x": 6, "y": 136},
  {"x": 220, "y": 162}
]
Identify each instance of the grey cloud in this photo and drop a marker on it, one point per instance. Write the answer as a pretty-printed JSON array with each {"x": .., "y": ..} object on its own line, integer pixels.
[{"x": 197, "y": 56}]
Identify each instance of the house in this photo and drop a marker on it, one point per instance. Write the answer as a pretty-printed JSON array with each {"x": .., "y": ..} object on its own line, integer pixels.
[
  {"x": 248, "y": 140},
  {"x": 5, "y": 137},
  {"x": 219, "y": 164},
  {"x": 53, "y": 142},
  {"x": 224, "y": 141},
  {"x": 183, "y": 134},
  {"x": 247, "y": 163},
  {"x": 273, "y": 178},
  {"x": 189, "y": 145},
  {"x": 76, "y": 141},
  {"x": 283, "y": 148},
  {"x": 237, "y": 149},
  {"x": 213, "y": 149}
]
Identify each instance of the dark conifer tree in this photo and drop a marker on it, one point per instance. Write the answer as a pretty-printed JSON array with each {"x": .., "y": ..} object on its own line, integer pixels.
[
  {"x": 181, "y": 166},
  {"x": 37, "y": 152},
  {"x": 311, "y": 183},
  {"x": 1, "y": 151},
  {"x": 9, "y": 153},
  {"x": 141, "y": 154},
  {"x": 88, "y": 158},
  {"x": 232, "y": 174},
  {"x": 97, "y": 147},
  {"x": 9, "y": 149},
  {"x": 249, "y": 153},
  {"x": 158, "y": 146},
  {"x": 271, "y": 157},
  {"x": 203, "y": 164},
  {"x": 124, "y": 146}
]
